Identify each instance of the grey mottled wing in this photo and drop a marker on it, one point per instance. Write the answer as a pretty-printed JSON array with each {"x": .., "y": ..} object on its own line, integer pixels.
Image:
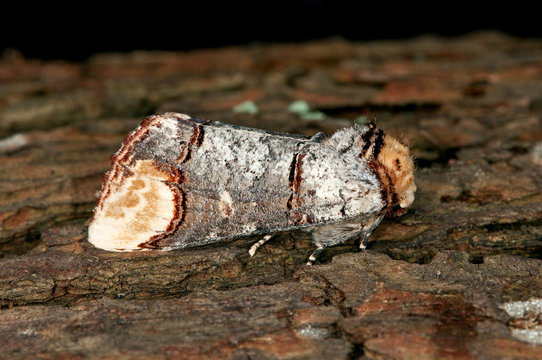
[{"x": 197, "y": 182}]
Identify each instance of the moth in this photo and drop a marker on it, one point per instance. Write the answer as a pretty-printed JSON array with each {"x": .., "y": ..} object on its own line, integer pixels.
[{"x": 181, "y": 182}]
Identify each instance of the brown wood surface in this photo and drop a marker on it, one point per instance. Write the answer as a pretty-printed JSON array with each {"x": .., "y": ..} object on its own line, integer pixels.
[{"x": 431, "y": 283}]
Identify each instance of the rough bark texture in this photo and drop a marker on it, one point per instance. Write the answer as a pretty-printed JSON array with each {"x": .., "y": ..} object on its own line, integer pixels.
[{"x": 431, "y": 285}]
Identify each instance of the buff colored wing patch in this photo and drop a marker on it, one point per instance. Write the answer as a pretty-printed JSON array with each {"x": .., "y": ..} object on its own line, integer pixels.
[{"x": 140, "y": 205}]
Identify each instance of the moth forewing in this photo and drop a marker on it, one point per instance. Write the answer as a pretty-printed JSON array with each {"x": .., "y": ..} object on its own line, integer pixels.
[{"x": 180, "y": 182}]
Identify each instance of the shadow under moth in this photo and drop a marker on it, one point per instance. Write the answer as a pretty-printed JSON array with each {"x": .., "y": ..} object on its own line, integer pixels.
[{"x": 181, "y": 182}]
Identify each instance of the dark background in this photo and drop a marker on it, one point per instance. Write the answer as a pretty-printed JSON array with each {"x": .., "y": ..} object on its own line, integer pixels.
[{"x": 80, "y": 29}]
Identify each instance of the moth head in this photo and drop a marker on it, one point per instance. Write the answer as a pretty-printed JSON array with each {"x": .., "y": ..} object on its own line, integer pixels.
[{"x": 394, "y": 157}]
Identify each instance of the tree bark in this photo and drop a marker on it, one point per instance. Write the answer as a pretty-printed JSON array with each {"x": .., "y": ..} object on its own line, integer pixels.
[{"x": 434, "y": 283}]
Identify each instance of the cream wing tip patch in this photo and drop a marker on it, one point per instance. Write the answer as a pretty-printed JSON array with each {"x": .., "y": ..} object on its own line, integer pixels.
[{"x": 134, "y": 211}]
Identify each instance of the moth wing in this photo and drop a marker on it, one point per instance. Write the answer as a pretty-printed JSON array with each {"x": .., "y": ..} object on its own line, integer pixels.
[
  {"x": 169, "y": 186},
  {"x": 180, "y": 182}
]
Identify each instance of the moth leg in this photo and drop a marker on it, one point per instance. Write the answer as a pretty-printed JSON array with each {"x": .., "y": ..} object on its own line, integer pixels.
[
  {"x": 337, "y": 233},
  {"x": 257, "y": 245},
  {"x": 363, "y": 241},
  {"x": 332, "y": 234},
  {"x": 368, "y": 230},
  {"x": 315, "y": 255}
]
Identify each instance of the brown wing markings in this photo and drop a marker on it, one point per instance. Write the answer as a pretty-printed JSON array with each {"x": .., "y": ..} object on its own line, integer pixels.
[
  {"x": 366, "y": 137},
  {"x": 125, "y": 156},
  {"x": 175, "y": 224},
  {"x": 198, "y": 135},
  {"x": 295, "y": 201}
]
